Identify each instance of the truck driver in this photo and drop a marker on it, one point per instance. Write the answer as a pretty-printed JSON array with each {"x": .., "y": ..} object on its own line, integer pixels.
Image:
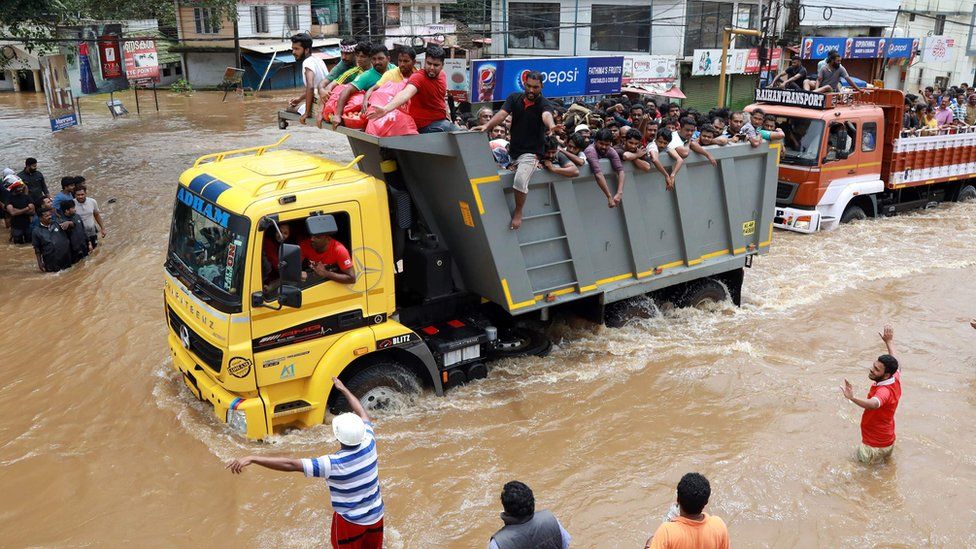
[{"x": 325, "y": 256}]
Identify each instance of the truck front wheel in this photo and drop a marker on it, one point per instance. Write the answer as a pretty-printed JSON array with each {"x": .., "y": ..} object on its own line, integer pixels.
[
  {"x": 380, "y": 387},
  {"x": 853, "y": 213}
]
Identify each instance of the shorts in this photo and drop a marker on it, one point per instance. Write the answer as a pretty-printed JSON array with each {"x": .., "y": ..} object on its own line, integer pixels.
[
  {"x": 525, "y": 166},
  {"x": 870, "y": 455},
  {"x": 346, "y": 535}
]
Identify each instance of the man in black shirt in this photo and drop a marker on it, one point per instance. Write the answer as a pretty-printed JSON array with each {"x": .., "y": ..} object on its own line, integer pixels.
[
  {"x": 51, "y": 245},
  {"x": 20, "y": 209},
  {"x": 36, "y": 187},
  {"x": 75, "y": 231},
  {"x": 794, "y": 77},
  {"x": 531, "y": 120}
]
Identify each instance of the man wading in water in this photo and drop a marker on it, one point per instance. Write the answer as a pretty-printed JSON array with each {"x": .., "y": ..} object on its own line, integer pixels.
[
  {"x": 878, "y": 420},
  {"x": 351, "y": 473}
]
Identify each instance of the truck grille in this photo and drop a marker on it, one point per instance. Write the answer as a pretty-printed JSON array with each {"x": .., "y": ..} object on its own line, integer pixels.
[
  {"x": 785, "y": 192},
  {"x": 207, "y": 353}
]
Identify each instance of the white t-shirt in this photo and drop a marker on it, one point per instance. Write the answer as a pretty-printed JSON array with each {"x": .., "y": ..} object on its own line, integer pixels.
[
  {"x": 676, "y": 141},
  {"x": 86, "y": 210},
  {"x": 318, "y": 69}
]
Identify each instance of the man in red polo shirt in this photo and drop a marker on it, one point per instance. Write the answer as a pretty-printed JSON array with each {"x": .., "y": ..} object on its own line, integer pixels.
[
  {"x": 878, "y": 420},
  {"x": 326, "y": 256},
  {"x": 426, "y": 90}
]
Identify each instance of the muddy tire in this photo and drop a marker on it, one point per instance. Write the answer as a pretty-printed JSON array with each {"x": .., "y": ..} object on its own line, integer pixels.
[
  {"x": 853, "y": 213},
  {"x": 702, "y": 292},
  {"x": 519, "y": 341},
  {"x": 967, "y": 194},
  {"x": 380, "y": 386}
]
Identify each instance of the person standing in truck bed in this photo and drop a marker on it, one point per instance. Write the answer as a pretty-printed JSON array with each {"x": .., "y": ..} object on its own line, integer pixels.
[
  {"x": 352, "y": 474},
  {"x": 531, "y": 120}
]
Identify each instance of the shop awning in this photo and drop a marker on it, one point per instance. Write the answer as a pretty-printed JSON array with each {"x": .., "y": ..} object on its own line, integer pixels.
[
  {"x": 325, "y": 45},
  {"x": 664, "y": 90}
]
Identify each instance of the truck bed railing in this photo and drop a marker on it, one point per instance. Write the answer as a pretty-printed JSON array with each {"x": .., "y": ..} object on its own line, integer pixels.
[{"x": 326, "y": 172}]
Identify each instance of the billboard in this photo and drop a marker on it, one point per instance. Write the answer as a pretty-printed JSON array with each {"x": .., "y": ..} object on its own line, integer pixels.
[
  {"x": 772, "y": 63},
  {"x": 709, "y": 62},
  {"x": 141, "y": 60},
  {"x": 496, "y": 79},
  {"x": 818, "y": 47},
  {"x": 858, "y": 48},
  {"x": 57, "y": 92},
  {"x": 111, "y": 60},
  {"x": 937, "y": 49},
  {"x": 650, "y": 69},
  {"x": 458, "y": 81},
  {"x": 85, "y": 58}
]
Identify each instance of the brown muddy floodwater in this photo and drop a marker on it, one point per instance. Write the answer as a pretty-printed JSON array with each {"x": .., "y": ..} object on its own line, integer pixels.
[{"x": 101, "y": 444}]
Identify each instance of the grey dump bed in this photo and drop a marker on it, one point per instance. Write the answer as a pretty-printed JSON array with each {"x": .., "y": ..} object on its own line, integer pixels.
[{"x": 571, "y": 245}]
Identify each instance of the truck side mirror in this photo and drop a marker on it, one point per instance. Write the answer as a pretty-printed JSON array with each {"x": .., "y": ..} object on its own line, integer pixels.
[
  {"x": 290, "y": 264},
  {"x": 290, "y": 296}
]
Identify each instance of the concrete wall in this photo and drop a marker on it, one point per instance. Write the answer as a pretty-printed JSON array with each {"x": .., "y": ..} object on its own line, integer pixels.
[
  {"x": 206, "y": 69},
  {"x": 7, "y": 81}
]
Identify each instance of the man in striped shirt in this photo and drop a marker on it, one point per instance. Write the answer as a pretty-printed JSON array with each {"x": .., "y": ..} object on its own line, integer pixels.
[{"x": 351, "y": 473}]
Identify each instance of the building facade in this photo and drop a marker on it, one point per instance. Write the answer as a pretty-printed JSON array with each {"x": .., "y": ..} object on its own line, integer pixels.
[{"x": 951, "y": 19}]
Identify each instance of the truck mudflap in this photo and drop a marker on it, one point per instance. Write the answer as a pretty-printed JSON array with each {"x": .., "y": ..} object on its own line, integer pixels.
[
  {"x": 248, "y": 415},
  {"x": 793, "y": 219}
]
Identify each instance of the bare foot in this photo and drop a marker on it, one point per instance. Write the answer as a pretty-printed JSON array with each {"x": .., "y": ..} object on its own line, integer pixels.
[
  {"x": 611, "y": 203},
  {"x": 516, "y": 222}
]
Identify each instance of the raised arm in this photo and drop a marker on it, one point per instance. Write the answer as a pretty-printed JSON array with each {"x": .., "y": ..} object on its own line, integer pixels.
[
  {"x": 888, "y": 336},
  {"x": 287, "y": 465},
  {"x": 354, "y": 403}
]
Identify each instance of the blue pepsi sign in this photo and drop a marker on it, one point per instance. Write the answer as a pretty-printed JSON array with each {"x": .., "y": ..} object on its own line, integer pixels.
[
  {"x": 859, "y": 48},
  {"x": 496, "y": 79},
  {"x": 901, "y": 48},
  {"x": 818, "y": 48}
]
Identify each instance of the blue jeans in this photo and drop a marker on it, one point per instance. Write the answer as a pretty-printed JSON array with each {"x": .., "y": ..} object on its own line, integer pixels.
[{"x": 439, "y": 126}]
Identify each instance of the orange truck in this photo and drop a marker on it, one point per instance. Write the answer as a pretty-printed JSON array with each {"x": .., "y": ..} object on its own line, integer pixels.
[{"x": 847, "y": 157}]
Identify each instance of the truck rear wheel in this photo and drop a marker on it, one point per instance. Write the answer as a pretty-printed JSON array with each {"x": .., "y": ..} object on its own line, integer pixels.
[
  {"x": 380, "y": 386},
  {"x": 516, "y": 341},
  {"x": 853, "y": 213},
  {"x": 967, "y": 194},
  {"x": 702, "y": 292}
]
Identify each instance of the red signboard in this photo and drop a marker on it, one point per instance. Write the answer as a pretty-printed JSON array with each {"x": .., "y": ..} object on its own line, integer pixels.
[
  {"x": 108, "y": 52},
  {"x": 752, "y": 62},
  {"x": 141, "y": 60}
]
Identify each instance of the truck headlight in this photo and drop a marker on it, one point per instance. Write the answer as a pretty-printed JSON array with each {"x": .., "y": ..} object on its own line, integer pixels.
[{"x": 237, "y": 421}]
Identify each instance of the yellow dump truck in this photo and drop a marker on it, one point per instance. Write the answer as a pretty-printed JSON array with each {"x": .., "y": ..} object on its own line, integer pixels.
[{"x": 441, "y": 286}]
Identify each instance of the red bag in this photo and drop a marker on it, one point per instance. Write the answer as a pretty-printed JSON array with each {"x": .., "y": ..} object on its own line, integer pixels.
[
  {"x": 393, "y": 123},
  {"x": 354, "y": 120},
  {"x": 330, "y": 105},
  {"x": 354, "y": 103}
]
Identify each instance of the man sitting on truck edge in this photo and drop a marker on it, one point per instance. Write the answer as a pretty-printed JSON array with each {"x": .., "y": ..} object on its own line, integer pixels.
[
  {"x": 313, "y": 74},
  {"x": 524, "y": 526},
  {"x": 831, "y": 74},
  {"x": 405, "y": 58},
  {"x": 531, "y": 120},
  {"x": 602, "y": 147},
  {"x": 324, "y": 253},
  {"x": 878, "y": 419},
  {"x": 362, "y": 64},
  {"x": 426, "y": 90},
  {"x": 793, "y": 77},
  {"x": 380, "y": 58},
  {"x": 352, "y": 474}
]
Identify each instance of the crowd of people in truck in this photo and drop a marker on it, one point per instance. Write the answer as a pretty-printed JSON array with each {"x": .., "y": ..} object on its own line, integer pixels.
[{"x": 63, "y": 228}]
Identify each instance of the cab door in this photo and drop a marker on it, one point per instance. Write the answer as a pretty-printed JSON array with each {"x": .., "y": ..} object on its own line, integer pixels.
[
  {"x": 288, "y": 343},
  {"x": 842, "y": 156}
]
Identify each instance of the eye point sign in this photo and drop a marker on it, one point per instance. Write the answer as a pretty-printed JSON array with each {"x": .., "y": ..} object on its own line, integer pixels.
[{"x": 141, "y": 60}]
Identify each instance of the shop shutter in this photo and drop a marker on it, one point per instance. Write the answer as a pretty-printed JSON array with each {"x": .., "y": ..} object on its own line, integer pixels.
[
  {"x": 743, "y": 90},
  {"x": 701, "y": 92}
]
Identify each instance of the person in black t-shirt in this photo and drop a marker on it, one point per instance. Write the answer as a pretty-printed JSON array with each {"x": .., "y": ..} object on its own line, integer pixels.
[
  {"x": 795, "y": 77},
  {"x": 75, "y": 231},
  {"x": 51, "y": 244},
  {"x": 531, "y": 121},
  {"x": 20, "y": 209}
]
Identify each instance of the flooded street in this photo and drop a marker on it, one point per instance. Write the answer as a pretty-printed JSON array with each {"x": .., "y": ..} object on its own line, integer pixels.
[{"x": 102, "y": 444}]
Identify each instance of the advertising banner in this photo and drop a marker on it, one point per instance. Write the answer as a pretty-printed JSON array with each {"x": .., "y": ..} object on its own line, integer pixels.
[
  {"x": 108, "y": 51},
  {"x": 901, "y": 48},
  {"x": 752, "y": 62},
  {"x": 141, "y": 61},
  {"x": 650, "y": 69},
  {"x": 85, "y": 56},
  {"x": 937, "y": 49},
  {"x": 458, "y": 81},
  {"x": 57, "y": 91},
  {"x": 709, "y": 62},
  {"x": 818, "y": 48},
  {"x": 496, "y": 79}
]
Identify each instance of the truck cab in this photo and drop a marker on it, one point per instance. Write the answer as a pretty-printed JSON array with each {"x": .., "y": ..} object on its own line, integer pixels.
[{"x": 830, "y": 164}]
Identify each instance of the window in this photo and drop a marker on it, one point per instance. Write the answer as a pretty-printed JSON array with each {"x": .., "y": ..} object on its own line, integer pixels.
[
  {"x": 939, "y": 25},
  {"x": 618, "y": 28},
  {"x": 704, "y": 22},
  {"x": 393, "y": 15},
  {"x": 840, "y": 141},
  {"x": 205, "y": 20},
  {"x": 869, "y": 136},
  {"x": 296, "y": 232},
  {"x": 259, "y": 19},
  {"x": 746, "y": 17},
  {"x": 801, "y": 146},
  {"x": 291, "y": 17},
  {"x": 166, "y": 71},
  {"x": 534, "y": 26},
  {"x": 179, "y": 69}
]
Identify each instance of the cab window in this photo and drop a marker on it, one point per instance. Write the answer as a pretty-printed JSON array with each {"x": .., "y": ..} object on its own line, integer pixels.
[
  {"x": 869, "y": 136},
  {"x": 841, "y": 138},
  {"x": 295, "y": 231}
]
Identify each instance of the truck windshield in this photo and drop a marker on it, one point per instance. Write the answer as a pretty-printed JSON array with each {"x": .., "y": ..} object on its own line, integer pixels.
[
  {"x": 207, "y": 245},
  {"x": 801, "y": 146}
]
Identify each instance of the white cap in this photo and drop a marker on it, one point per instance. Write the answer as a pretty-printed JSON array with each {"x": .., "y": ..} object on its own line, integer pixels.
[
  {"x": 349, "y": 429},
  {"x": 581, "y": 128}
]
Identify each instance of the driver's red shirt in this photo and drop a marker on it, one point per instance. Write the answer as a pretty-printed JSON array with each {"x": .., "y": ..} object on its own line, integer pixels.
[{"x": 335, "y": 254}]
